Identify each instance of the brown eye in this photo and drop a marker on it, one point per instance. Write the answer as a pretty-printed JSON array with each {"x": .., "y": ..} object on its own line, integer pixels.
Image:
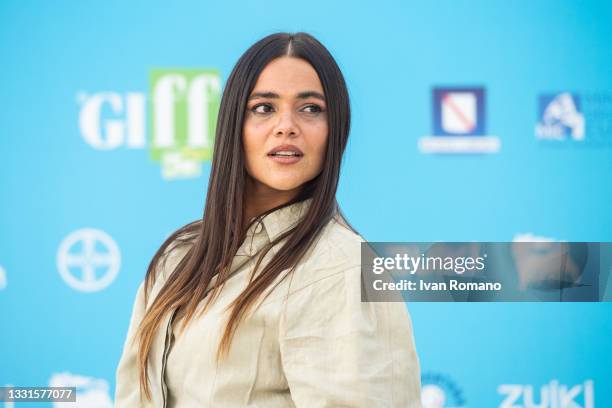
[
  {"x": 262, "y": 108},
  {"x": 312, "y": 109}
]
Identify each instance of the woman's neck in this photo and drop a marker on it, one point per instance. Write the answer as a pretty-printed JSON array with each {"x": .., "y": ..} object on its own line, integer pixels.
[{"x": 259, "y": 198}]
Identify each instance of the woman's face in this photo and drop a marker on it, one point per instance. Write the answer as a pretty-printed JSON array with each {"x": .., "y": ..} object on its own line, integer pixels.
[{"x": 285, "y": 126}]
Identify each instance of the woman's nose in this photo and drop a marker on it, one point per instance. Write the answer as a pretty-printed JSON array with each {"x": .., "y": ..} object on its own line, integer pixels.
[{"x": 286, "y": 124}]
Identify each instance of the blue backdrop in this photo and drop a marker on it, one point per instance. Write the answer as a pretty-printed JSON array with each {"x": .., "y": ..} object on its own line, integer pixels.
[{"x": 88, "y": 194}]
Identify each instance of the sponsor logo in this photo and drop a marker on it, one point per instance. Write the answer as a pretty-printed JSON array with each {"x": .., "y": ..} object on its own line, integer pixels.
[
  {"x": 88, "y": 260},
  {"x": 182, "y": 109},
  {"x": 459, "y": 123},
  {"x": 551, "y": 395},
  {"x": 575, "y": 119},
  {"x": 560, "y": 117},
  {"x": 439, "y": 391}
]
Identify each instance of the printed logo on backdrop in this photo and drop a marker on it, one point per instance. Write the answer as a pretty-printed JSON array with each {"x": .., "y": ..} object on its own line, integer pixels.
[
  {"x": 440, "y": 391},
  {"x": 551, "y": 395},
  {"x": 88, "y": 260},
  {"x": 90, "y": 392},
  {"x": 3, "y": 281},
  {"x": 560, "y": 117},
  {"x": 459, "y": 123},
  {"x": 182, "y": 115},
  {"x": 583, "y": 119}
]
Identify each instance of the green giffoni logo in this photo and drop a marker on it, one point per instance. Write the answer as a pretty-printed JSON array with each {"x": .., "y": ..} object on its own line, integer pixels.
[{"x": 183, "y": 111}]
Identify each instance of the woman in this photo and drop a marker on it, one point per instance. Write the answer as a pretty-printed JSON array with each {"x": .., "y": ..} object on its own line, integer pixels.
[{"x": 258, "y": 304}]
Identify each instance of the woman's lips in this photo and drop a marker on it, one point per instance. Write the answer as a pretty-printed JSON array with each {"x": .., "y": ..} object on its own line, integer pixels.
[{"x": 285, "y": 159}]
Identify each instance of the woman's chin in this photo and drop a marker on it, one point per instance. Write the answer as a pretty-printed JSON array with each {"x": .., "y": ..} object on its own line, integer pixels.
[{"x": 285, "y": 186}]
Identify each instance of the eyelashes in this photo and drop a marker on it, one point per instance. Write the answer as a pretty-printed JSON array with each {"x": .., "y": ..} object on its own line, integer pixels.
[
  {"x": 315, "y": 108},
  {"x": 261, "y": 108},
  {"x": 266, "y": 108}
]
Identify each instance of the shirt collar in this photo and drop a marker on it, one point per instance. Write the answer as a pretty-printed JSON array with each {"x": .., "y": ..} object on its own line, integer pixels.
[
  {"x": 285, "y": 218},
  {"x": 275, "y": 223}
]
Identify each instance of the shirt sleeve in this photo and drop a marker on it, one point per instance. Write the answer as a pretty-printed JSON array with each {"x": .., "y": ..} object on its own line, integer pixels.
[
  {"x": 340, "y": 352},
  {"x": 127, "y": 390}
]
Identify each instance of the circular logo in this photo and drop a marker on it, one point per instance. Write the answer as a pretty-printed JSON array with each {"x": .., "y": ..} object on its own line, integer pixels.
[
  {"x": 439, "y": 390},
  {"x": 433, "y": 396},
  {"x": 88, "y": 260}
]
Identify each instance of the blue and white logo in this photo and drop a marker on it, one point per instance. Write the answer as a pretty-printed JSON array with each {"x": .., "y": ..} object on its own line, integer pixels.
[
  {"x": 551, "y": 395},
  {"x": 459, "y": 123},
  {"x": 560, "y": 117},
  {"x": 440, "y": 391},
  {"x": 88, "y": 260}
]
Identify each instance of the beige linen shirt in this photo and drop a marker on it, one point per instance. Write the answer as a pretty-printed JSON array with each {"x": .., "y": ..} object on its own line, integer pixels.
[{"x": 310, "y": 343}]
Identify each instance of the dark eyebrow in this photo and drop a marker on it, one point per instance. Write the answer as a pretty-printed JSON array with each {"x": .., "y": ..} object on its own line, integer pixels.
[
  {"x": 311, "y": 94},
  {"x": 301, "y": 95},
  {"x": 270, "y": 95}
]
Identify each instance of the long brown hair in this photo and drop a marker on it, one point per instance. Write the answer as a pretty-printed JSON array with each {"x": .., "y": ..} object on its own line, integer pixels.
[{"x": 213, "y": 241}]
